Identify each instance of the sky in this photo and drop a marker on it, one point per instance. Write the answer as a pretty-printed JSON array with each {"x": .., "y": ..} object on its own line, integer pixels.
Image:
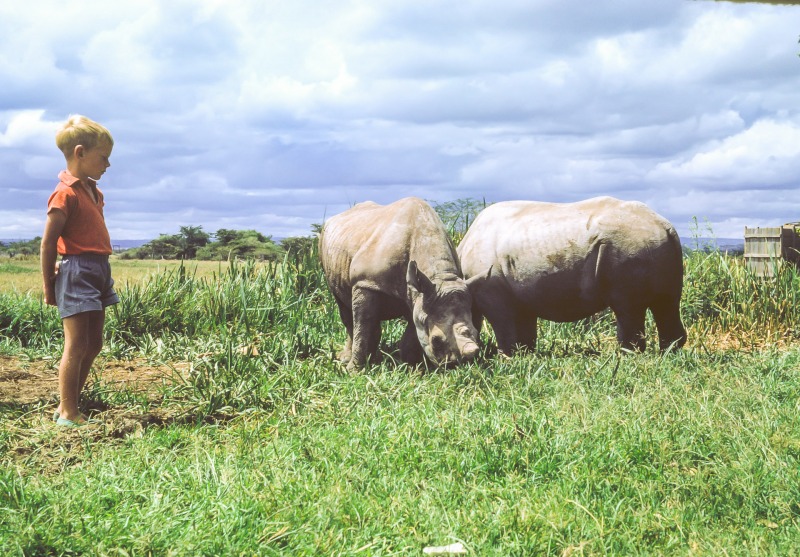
[{"x": 274, "y": 115}]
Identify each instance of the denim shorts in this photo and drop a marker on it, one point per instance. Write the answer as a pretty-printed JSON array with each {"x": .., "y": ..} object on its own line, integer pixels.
[{"x": 84, "y": 283}]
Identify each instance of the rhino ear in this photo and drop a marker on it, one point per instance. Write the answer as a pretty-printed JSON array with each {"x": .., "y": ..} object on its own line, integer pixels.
[
  {"x": 416, "y": 279},
  {"x": 411, "y": 274},
  {"x": 478, "y": 280}
]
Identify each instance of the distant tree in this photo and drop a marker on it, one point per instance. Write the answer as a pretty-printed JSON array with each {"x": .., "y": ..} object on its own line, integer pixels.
[
  {"x": 458, "y": 215},
  {"x": 25, "y": 247},
  {"x": 191, "y": 239},
  {"x": 239, "y": 243},
  {"x": 166, "y": 246},
  {"x": 226, "y": 236},
  {"x": 193, "y": 243},
  {"x": 298, "y": 246},
  {"x": 183, "y": 245}
]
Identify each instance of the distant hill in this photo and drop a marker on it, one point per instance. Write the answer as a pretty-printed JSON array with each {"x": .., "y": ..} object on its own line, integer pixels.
[
  {"x": 127, "y": 244},
  {"x": 118, "y": 245},
  {"x": 733, "y": 245}
]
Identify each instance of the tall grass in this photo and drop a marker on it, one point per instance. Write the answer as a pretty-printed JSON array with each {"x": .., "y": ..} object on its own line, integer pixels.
[
  {"x": 724, "y": 301},
  {"x": 248, "y": 300},
  {"x": 26, "y": 321},
  {"x": 281, "y": 311}
]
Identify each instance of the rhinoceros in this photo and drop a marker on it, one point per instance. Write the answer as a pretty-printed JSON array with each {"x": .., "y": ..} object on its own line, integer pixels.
[
  {"x": 566, "y": 261},
  {"x": 397, "y": 261}
]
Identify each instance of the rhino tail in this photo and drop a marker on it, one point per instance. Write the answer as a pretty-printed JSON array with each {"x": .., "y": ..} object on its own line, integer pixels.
[{"x": 598, "y": 267}]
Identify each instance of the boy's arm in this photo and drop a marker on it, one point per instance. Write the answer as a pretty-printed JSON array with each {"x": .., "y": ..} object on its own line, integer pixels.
[{"x": 49, "y": 253}]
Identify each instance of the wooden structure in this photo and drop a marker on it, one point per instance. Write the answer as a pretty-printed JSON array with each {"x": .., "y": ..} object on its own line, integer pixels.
[{"x": 764, "y": 248}]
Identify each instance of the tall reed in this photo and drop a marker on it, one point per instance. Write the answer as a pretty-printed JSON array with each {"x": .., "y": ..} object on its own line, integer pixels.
[
  {"x": 284, "y": 308},
  {"x": 725, "y": 302}
]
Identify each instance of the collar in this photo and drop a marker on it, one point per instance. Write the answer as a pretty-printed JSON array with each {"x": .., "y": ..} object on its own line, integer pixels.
[{"x": 71, "y": 180}]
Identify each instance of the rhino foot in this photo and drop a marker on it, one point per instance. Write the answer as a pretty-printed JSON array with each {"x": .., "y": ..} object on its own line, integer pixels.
[{"x": 345, "y": 356}]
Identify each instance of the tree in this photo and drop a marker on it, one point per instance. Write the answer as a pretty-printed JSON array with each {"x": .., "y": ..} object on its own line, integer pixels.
[
  {"x": 166, "y": 246},
  {"x": 457, "y": 215},
  {"x": 25, "y": 247},
  {"x": 193, "y": 243},
  {"x": 225, "y": 236},
  {"x": 298, "y": 246},
  {"x": 191, "y": 239},
  {"x": 240, "y": 243}
]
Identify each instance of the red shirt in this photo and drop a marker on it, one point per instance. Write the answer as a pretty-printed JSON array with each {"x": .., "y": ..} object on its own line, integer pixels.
[{"x": 85, "y": 229}]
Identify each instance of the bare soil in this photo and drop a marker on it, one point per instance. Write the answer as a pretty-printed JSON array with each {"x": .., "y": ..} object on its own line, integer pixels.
[
  {"x": 35, "y": 444},
  {"x": 29, "y": 382}
]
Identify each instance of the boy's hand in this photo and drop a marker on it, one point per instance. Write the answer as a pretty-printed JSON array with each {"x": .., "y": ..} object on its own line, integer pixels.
[
  {"x": 50, "y": 286},
  {"x": 50, "y": 296}
]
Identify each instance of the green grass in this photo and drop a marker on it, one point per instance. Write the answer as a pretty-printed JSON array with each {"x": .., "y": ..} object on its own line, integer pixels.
[
  {"x": 10, "y": 268},
  {"x": 267, "y": 446},
  {"x": 618, "y": 454},
  {"x": 23, "y": 273}
]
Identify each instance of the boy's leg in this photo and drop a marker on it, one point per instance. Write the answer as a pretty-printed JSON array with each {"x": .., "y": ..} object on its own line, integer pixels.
[
  {"x": 95, "y": 336},
  {"x": 83, "y": 340}
]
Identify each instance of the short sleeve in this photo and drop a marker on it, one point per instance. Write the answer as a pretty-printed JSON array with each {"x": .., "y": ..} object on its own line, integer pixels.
[{"x": 61, "y": 200}]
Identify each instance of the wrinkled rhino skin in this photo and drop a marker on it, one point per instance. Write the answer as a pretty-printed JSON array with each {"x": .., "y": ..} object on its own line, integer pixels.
[
  {"x": 566, "y": 261},
  {"x": 397, "y": 261}
]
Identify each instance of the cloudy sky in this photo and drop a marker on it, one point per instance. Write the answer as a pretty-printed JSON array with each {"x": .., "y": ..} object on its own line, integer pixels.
[{"x": 275, "y": 114}]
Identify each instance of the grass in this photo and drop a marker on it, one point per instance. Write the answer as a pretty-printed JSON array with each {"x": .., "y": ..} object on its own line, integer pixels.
[
  {"x": 23, "y": 275},
  {"x": 273, "y": 449},
  {"x": 613, "y": 455}
]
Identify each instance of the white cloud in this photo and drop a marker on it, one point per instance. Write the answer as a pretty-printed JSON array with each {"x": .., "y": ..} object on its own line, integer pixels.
[
  {"x": 765, "y": 155},
  {"x": 25, "y": 128},
  {"x": 274, "y": 114}
]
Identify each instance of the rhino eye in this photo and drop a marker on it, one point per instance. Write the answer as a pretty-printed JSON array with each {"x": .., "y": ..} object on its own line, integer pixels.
[{"x": 438, "y": 341}]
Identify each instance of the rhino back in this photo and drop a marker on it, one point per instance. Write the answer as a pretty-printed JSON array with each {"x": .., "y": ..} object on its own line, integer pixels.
[
  {"x": 548, "y": 253},
  {"x": 558, "y": 235},
  {"x": 373, "y": 244}
]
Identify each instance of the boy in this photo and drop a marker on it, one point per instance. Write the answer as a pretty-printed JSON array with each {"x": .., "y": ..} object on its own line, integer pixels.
[{"x": 81, "y": 284}]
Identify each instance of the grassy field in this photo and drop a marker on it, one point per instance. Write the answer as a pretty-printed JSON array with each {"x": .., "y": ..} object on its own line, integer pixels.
[
  {"x": 23, "y": 275},
  {"x": 257, "y": 442}
]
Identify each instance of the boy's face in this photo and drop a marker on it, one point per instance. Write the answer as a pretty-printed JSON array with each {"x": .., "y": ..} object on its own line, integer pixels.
[{"x": 94, "y": 162}]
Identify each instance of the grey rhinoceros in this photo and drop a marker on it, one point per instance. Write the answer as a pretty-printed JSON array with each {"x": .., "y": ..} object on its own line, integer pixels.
[
  {"x": 566, "y": 261},
  {"x": 385, "y": 262}
]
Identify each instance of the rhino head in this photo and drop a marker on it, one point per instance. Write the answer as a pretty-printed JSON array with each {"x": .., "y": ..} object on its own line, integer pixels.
[{"x": 442, "y": 315}]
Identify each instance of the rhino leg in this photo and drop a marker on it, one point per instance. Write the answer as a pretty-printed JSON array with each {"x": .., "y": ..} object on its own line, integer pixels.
[
  {"x": 346, "y": 315},
  {"x": 505, "y": 328},
  {"x": 410, "y": 349},
  {"x": 494, "y": 301},
  {"x": 526, "y": 330},
  {"x": 667, "y": 315},
  {"x": 477, "y": 318},
  {"x": 366, "y": 327},
  {"x": 630, "y": 325}
]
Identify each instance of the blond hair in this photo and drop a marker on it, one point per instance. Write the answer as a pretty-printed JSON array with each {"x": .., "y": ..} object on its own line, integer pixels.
[{"x": 80, "y": 130}]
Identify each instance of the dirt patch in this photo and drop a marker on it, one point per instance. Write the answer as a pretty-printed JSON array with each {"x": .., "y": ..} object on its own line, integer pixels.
[
  {"x": 29, "y": 392},
  {"x": 28, "y": 382}
]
